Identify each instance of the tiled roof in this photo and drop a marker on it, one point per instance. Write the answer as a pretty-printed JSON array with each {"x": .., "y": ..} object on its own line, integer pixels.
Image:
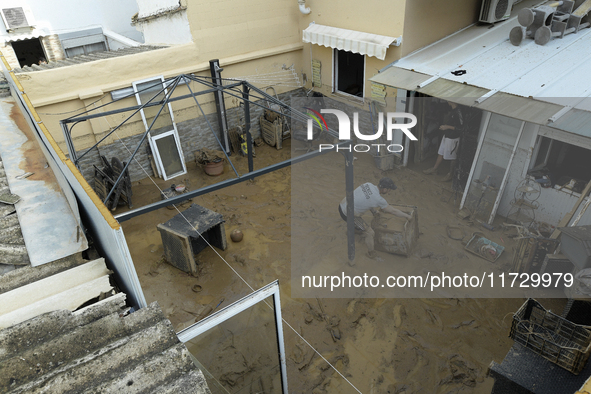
[
  {"x": 99, "y": 348},
  {"x": 12, "y": 245},
  {"x": 87, "y": 58}
]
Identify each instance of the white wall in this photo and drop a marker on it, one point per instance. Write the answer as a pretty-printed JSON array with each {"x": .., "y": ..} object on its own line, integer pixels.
[
  {"x": 170, "y": 30},
  {"x": 553, "y": 203},
  {"x": 70, "y": 15},
  {"x": 151, "y": 7}
]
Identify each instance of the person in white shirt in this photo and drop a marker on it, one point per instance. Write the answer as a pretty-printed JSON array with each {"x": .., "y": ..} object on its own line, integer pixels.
[{"x": 369, "y": 197}]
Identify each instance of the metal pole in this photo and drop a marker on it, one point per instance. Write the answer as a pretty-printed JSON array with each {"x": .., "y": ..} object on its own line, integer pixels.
[
  {"x": 165, "y": 104},
  {"x": 216, "y": 77},
  {"x": 247, "y": 125},
  {"x": 126, "y": 109},
  {"x": 120, "y": 124},
  {"x": 280, "y": 342},
  {"x": 350, "y": 203},
  {"x": 69, "y": 143},
  {"x": 223, "y": 184},
  {"x": 212, "y": 130}
]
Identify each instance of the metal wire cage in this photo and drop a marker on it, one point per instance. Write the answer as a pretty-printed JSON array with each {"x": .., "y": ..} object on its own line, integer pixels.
[{"x": 558, "y": 340}]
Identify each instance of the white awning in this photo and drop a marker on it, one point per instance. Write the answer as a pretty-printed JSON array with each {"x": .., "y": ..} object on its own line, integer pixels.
[
  {"x": 35, "y": 33},
  {"x": 350, "y": 40}
]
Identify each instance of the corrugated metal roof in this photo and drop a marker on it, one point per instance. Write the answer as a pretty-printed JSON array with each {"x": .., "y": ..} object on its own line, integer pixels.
[
  {"x": 35, "y": 33},
  {"x": 53, "y": 341},
  {"x": 528, "y": 82},
  {"x": 50, "y": 226},
  {"x": 87, "y": 58},
  {"x": 13, "y": 252},
  {"x": 348, "y": 40},
  {"x": 97, "y": 350}
]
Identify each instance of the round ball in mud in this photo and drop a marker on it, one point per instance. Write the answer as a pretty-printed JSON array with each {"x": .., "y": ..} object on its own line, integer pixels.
[{"x": 236, "y": 235}]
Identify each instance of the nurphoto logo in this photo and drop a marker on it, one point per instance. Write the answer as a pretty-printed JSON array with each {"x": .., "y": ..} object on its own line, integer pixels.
[{"x": 345, "y": 129}]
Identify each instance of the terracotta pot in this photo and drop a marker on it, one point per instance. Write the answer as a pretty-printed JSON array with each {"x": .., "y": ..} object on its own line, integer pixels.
[{"x": 214, "y": 169}]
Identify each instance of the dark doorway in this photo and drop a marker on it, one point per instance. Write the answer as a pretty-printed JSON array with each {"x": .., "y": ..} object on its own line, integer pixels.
[
  {"x": 349, "y": 72},
  {"x": 29, "y": 52}
]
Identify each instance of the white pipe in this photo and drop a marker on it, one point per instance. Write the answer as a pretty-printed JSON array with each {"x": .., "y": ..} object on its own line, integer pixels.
[
  {"x": 121, "y": 39},
  {"x": 303, "y": 9}
]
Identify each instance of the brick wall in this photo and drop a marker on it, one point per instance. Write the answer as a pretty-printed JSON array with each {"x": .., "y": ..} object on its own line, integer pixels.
[
  {"x": 53, "y": 48},
  {"x": 9, "y": 54}
]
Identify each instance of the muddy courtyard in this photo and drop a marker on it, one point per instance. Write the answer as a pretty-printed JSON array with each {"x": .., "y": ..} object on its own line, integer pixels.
[{"x": 380, "y": 345}]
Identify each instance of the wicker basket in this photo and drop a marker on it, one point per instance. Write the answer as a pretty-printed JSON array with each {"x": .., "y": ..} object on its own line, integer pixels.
[{"x": 558, "y": 340}]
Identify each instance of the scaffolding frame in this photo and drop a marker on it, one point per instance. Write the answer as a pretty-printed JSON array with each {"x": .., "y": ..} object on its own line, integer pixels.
[{"x": 241, "y": 90}]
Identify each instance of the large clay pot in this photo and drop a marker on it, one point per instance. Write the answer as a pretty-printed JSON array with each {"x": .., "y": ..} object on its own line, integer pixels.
[{"x": 214, "y": 169}]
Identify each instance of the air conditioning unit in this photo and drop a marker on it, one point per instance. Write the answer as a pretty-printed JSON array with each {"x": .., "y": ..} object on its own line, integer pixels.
[
  {"x": 17, "y": 17},
  {"x": 493, "y": 11}
]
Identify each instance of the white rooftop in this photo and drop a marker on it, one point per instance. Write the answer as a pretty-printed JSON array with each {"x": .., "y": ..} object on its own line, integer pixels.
[{"x": 550, "y": 77}]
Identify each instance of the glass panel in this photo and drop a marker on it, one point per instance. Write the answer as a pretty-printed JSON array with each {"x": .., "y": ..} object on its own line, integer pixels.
[
  {"x": 169, "y": 154},
  {"x": 147, "y": 90},
  {"x": 499, "y": 140},
  {"x": 240, "y": 355}
]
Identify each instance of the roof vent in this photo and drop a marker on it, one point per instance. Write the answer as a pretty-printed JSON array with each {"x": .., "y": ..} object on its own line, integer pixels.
[
  {"x": 14, "y": 18},
  {"x": 493, "y": 11}
]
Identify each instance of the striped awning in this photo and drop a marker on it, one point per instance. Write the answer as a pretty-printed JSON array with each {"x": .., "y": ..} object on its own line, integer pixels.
[{"x": 349, "y": 40}]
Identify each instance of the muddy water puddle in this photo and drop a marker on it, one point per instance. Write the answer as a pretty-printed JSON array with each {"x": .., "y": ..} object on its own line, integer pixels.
[{"x": 379, "y": 345}]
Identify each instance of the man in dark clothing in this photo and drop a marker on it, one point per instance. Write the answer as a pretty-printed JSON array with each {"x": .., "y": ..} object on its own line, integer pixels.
[{"x": 448, "y": 150}]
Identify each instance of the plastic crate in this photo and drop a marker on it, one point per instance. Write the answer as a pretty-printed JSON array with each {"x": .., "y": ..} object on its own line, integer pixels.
[
  {"x": 484, "y": 247},
  {"x": 558, "y": 340}
]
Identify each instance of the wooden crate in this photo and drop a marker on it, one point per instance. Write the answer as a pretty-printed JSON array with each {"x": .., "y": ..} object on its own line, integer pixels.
[{"x": 396, "y": 235}]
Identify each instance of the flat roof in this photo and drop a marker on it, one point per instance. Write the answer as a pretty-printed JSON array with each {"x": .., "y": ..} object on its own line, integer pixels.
[
  {"x": 530, "y": 82},
  {"x": 48, "y": 217}
]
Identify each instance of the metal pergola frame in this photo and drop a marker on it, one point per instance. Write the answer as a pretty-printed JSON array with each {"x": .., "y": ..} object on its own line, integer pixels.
[{"x": 238, "y": 89}]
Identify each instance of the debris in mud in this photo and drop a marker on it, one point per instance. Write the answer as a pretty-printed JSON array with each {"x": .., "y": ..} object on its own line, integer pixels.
[
  {"x": 423, "y": 253},
  {"x": 464, "y": 323},
  {"x": 239, "y": 259},
  {"x": 306, "y": 365},
  {"x": 461, "y": 372},
  {"x": 399, "y": 312},
  {"x": 196, "y": 288}
]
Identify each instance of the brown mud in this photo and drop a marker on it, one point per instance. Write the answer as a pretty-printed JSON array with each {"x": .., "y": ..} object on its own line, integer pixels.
[{"x": 386, "y": 345}]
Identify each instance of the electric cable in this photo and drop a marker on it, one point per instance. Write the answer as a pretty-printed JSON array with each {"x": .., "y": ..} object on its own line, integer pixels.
[{"x": 232, "y": 268}]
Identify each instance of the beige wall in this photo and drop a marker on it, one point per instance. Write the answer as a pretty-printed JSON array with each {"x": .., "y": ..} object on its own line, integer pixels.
[
  {"x": 383, "y": 17},
  {"x": 64, "y": 92},
  {"x": 249, "y": 37},
  {"x": 420, "y": 22},
  {"x": 229, "y": 28},
  {"x": 427, "y": 21}
]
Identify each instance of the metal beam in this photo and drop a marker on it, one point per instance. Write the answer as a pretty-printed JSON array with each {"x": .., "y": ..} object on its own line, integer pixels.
[
  {"x": 138, "y": 147},
  {"x": 350, "y": 204},
  {"x": 247, "y": 125},
  {"x": 220, "y": 185},
  {"x": 135, "y": 107},
  {"x": 215, "y": 69}
]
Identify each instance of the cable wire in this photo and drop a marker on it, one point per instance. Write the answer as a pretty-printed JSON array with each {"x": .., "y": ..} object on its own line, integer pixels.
[{"x": 232, "y": 268}]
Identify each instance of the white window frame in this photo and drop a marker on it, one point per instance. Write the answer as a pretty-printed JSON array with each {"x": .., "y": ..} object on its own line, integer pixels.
[
  {"x": 158, "y": 160},
  {"x": 213, "y": 320},
  {"x": 335, "y": 75},
  {"x": 153, "y": 140}
]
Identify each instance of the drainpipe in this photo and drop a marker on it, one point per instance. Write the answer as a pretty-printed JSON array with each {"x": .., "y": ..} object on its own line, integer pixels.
[{"x": 303, "y": 9}]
